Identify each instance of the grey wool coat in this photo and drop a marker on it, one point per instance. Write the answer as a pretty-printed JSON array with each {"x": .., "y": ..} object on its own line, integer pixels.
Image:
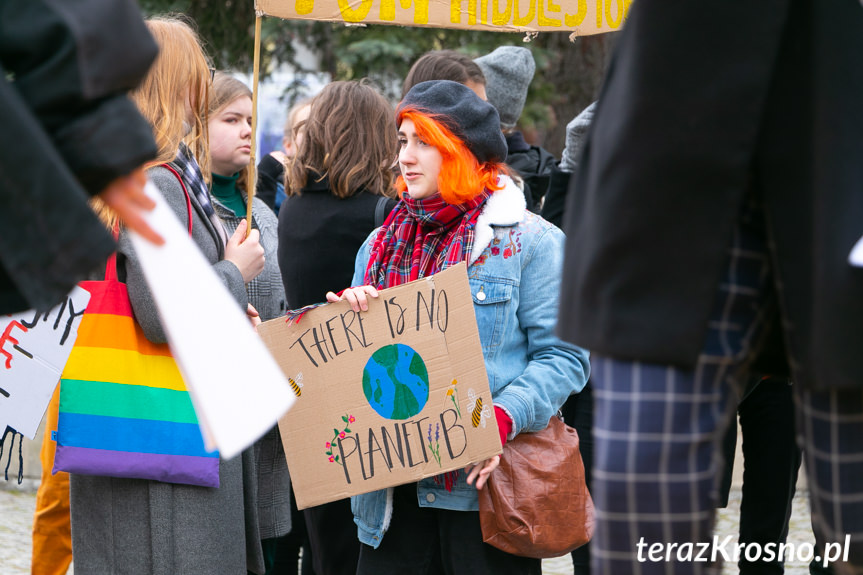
[
  {"x": 267, "y": 294},
  {"x": 140, "y": 527}
]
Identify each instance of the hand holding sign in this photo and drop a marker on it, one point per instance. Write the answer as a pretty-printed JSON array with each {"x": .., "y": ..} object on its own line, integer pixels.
[
  {"x": 125, "y": 195},
  {"x": 480, "y": 471},
  {"x": 357, "y": 297}
]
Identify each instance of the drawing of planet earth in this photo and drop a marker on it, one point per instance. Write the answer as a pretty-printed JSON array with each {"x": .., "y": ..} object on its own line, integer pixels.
[{"x": 396, "y": 382}]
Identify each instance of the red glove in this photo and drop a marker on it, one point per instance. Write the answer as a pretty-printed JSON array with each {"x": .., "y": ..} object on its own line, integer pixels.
[{"x": 504, "y": 424}]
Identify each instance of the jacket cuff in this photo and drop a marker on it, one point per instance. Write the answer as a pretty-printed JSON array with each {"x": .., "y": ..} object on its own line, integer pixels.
[{"x": 514, "y": 428}]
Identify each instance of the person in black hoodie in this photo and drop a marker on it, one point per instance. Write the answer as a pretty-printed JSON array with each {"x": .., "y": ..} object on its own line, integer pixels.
[
  {"x": 508, "y": 71},
  {"x": 339, "y": 189}
]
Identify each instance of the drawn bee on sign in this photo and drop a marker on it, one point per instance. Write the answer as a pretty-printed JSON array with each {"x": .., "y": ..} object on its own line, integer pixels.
[
  {"x": 297, "y": 384},
  {"x": 478, "y": 412}
]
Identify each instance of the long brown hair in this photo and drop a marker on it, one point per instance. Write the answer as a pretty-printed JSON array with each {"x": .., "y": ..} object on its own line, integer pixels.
[
  {"x": 225, "y": 90},
  {"x": 350, "y": 138},
  {"x": 179, "y": 77},
  {"x": 443, "y": 65}
]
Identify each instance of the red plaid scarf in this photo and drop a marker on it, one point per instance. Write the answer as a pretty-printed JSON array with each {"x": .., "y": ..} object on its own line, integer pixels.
[{"x": 421, "y": 238}]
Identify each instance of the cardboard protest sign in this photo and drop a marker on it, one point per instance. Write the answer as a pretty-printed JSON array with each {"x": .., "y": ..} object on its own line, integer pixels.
[
  {"x": 583, "y": 17},
  {"x": 387, "y": 396},
  {"x": 34, "y": 348}
]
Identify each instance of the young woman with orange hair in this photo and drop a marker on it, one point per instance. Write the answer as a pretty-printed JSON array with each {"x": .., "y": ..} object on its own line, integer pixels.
[{"x": 458, "y": 204}]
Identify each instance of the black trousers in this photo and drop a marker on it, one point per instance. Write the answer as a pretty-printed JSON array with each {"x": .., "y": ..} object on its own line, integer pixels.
[
  {"x": 333, "y": 538},
  {"x": 771, "y": 460},
  {"x": 425, "y": 541}
]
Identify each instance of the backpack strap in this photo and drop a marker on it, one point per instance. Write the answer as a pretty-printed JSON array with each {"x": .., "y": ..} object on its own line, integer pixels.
[{"x": 380, "y": 211}]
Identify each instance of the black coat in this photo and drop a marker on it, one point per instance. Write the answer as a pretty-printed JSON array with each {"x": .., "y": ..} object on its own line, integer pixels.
[
  {"x": 271, "y": 175},
  {"x": 695, "y": 111},
  {"x": 319, "y": 237},
  {"x": 535, "y": 165},
  {"x": 67, "y": 130}
]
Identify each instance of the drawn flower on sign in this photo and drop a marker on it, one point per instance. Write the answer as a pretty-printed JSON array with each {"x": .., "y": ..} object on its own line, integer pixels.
[
  {"x": 452, "y": 394},
  {"x": 347, "y": 419},
  {"x": 434, "y": 445}
]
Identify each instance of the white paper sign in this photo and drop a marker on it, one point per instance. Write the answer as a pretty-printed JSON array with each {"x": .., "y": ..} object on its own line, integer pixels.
[
  {"x": 237, "y": 388},
  {"x": 34, "y": 348},
  {"x": 855, "y": 258}
]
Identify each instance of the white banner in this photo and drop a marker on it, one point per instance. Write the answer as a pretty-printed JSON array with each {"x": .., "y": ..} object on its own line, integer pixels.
[{"x": 34, "y": 348}]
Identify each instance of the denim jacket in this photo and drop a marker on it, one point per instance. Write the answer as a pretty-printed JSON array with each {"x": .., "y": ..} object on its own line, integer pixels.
[{"x": 514, "y": 273}]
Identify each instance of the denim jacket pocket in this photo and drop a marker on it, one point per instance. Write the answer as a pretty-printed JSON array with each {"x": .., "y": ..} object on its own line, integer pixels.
[{"x": 491, "y": 300}]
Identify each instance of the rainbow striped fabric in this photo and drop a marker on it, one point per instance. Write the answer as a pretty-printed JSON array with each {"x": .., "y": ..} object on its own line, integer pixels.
[{"x": 124, "y": 409}]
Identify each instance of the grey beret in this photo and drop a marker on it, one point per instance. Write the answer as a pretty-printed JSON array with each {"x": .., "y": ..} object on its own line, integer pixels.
[
  {"x": 473, "y": 120},
  {"x": 508, "y": 72}
]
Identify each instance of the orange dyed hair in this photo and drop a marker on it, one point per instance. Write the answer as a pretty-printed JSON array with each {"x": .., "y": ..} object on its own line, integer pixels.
[{"x": 461, "y": 176}]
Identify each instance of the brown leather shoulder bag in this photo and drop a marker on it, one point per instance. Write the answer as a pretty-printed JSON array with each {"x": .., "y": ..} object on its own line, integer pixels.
[{"x": 536, "y": 503}]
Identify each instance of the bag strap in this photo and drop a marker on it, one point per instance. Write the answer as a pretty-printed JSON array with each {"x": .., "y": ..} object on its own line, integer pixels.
[
  {"x": 185, "y": 191},
  {"x": 380, "y": 210},
  {"x": 111, "y": 264}
]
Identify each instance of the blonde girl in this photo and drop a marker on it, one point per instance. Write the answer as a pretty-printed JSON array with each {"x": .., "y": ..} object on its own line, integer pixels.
[{"x": 142, "y": 527}]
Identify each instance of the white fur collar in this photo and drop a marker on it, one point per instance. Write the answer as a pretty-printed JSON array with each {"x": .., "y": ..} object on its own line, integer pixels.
[{"x": 504, "y": 208}]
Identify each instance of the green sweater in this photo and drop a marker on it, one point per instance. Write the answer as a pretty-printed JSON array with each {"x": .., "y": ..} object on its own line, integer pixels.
[{"x": 224, "y": 189}]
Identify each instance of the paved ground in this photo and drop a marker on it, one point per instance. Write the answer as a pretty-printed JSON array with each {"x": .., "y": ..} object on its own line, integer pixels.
[
  {"x": 18, "y": 502},
  {"x": 16, "y": 516}
]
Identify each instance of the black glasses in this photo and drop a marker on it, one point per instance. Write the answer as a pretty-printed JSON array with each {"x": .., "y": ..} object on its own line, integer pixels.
[{"x": 212, "y": 74}]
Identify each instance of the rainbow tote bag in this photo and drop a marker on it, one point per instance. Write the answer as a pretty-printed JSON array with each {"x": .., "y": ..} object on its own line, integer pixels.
[{"x": 124, "y": 409}]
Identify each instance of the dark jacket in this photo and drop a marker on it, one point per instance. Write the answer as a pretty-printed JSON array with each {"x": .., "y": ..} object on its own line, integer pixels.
[
  {"x": 533, "y": 164},
  {"x": 555, "y": 199},
  {"x": 68, "y": 130},
  {"x": 319, "y": 237},
  {"x": 690, "y": 118},
  {"x": 271, "y": 182}
]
